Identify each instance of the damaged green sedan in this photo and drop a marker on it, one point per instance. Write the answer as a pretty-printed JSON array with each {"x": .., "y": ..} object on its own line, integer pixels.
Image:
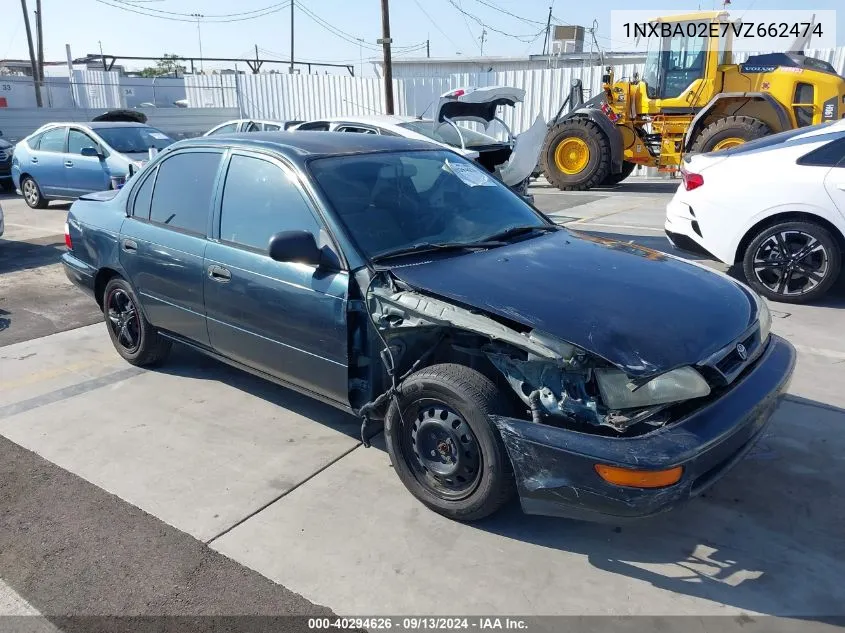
[{"x": 503, "y": 355}]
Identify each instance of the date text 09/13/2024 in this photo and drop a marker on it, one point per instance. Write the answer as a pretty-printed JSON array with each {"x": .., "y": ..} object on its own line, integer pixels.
[{"x": 419, "y": 623}]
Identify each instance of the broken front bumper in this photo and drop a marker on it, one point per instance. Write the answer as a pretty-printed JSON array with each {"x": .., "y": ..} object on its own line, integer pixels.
[{"x": 555, "y": 467}]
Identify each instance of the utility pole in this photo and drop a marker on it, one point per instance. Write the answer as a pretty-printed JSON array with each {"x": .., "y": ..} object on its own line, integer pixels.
[
  {"x": 548, "y": 30},
  {"x": 255, "y": 72},
  {"x": 102, "y": 57},
  {"x": 428, "y": 48},
  {"x": 361, "y": 54},
  {"x": 32, "y": 61},
  {"x": 39, "y": 34},
  {"x": 482, "y": 38},
  {"x": 291, "y": 37},
  {"x": 385, "y": 41},
  {"x": 199, "y": 16}
]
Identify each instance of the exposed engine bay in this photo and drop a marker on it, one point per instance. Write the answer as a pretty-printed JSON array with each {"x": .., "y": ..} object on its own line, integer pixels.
[{"x": 555, "y": 382}]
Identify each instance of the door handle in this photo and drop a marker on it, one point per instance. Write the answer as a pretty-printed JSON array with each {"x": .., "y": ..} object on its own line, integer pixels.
[
  {"x": 68, "y": 163},
  {"x": 33, "y": 159},
  {"x": 218, "y": 273},
  {"x": 129, "y": 246}
]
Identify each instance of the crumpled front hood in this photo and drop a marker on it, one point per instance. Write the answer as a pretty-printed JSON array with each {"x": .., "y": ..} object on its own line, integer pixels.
[{"x": 641, "y": 310}]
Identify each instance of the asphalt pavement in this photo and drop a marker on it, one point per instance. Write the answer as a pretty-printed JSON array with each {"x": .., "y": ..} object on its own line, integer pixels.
[{"x": 195, "y": 489}]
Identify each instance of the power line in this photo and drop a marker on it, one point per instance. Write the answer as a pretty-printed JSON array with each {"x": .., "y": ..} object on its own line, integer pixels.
[
  {"x": 521, "y": 38},
  {"x": 277, "y": 5},
  {"x": 146, "y": 12},
  {"x": 437, "y": 26},
  {"x": 513, "y": 15},
  {"x": 469, "y": 30},
  {"x": 352, "y": 39}
]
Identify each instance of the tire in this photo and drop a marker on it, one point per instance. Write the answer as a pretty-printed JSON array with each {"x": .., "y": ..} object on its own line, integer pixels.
[
  {"x": 823, "y": 262},
  {"x": 745, "y": 128},
  {"x": 472, "y": 448},
  {"x": 615, "y": 179},
  {"x": 132, "y": 335},
  {"x": 597, "y": 165},
  {"x": 32, "y": 193}
]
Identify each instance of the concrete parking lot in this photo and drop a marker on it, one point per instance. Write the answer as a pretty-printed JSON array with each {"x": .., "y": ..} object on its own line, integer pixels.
[{"x": 258, "y": 500}]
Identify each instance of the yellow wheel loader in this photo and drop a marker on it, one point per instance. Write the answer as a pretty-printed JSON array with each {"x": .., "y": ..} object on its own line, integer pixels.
[{"x": 691, "y": 98}]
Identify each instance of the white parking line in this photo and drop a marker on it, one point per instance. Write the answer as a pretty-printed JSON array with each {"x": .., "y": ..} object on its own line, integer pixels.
[{"x": 580, "y": 223}]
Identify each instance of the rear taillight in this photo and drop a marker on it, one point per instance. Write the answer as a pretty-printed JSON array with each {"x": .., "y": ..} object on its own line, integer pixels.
[
  {"x": 691, "y": 180},
  {"x": 68, "y": 243}
]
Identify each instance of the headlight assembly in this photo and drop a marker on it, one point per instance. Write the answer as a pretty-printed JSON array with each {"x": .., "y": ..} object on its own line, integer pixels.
[{"x": 617, "y": 392}]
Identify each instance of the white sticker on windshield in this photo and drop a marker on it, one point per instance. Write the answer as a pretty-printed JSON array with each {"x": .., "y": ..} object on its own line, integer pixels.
[
  {"x": 159, "y": 136},
  {"x": 469, "y": 175}
]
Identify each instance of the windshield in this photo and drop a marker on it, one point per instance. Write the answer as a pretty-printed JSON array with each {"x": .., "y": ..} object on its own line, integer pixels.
[
  {"x": 395, "y": 200},
  {"x": 449, "y": 135},
  {"x": 129, "y": 140}
]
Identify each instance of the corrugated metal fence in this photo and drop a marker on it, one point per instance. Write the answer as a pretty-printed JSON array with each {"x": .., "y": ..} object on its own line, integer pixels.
[{"x": 286, "y": 97}]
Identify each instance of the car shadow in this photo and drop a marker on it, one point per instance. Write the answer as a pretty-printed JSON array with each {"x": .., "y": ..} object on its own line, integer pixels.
[
  {"x": 187, "y": 362},
  {"x": 34, "y": 253},
  {"x": 766, "y": 538},
  {"x": 631, "y": 185}
]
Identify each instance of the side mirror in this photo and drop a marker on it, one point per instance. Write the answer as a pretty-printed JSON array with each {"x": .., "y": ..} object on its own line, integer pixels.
[
  {"x": 295, "y": 246},
  {"x": 91, "y": 152}
]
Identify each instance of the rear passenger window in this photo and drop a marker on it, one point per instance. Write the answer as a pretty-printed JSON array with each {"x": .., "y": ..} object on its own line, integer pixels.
[
  {"x": 183, "y": 191},
  {"x": 53, "y": 140},
  {"x": 260, "y": 199},
  {"x": 829, "y": 155},
  {"x": 141, "y": 205}
]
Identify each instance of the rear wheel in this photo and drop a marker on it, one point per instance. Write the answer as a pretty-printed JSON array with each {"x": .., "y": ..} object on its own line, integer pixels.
[
  {"x": 792, "y": 262},
  {"x": 443, "y": 445},
  {"x": 132, "y": 335},
  {"x": 576, "y": 155},
  {"x": 729, "y": 132},
  {"x": 615, "y": 179},
  {"x": 32, "y": 193}
]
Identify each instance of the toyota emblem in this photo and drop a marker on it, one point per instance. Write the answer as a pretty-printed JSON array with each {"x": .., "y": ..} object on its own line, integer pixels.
[{"x": 741, "y": 351}]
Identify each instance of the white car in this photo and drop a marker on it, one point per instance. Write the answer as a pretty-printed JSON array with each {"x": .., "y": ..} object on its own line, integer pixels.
[
  {"x": 249, "y": 125},
  {"x": 512, "y": 160},
  {"x": 775, "y": 206}
]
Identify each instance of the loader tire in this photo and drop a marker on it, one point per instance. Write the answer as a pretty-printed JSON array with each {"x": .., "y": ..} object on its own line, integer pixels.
[
  {"x": 615, "y": 179},
  {"x": 729, "y": 132},
  {"x": 576, "y": 155}
]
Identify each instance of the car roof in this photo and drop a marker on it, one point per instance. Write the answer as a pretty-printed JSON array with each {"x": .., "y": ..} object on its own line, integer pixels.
[
  {"x": 95, "y": 125},
  {"x": 372, "y": 119},
  {"x": 301, "y": 146}
]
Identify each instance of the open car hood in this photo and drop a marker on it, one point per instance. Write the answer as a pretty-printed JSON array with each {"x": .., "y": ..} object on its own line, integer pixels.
[{"x": 476, "y": 104}]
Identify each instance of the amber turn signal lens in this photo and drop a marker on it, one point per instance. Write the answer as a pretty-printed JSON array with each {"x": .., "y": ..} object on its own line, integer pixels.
[{"x": 639, "y": 478}]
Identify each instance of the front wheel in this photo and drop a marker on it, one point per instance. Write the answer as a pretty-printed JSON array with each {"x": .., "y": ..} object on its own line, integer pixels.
[
  {"x": 443, "y": 445},
  {"x": 792, "y": 262},
  {"x": 576, "y": 155}
]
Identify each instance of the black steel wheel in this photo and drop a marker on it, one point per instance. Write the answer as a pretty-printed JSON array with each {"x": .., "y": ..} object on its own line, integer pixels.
[
  {"x": 792, "y": 262},
  {"x": 443, "y": 445},
  {"x": 441, "y": 448},
  {"x": 131, "y": 334}
]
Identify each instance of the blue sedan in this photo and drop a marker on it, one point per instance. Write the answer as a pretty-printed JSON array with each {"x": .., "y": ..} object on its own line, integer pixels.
[
  {"x": 62, "y": 161},
  {"x": 503, "y": 355}
]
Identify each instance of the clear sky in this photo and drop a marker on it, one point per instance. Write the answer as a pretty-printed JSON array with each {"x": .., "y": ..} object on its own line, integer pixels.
[{"x": 326, "y": 30}]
